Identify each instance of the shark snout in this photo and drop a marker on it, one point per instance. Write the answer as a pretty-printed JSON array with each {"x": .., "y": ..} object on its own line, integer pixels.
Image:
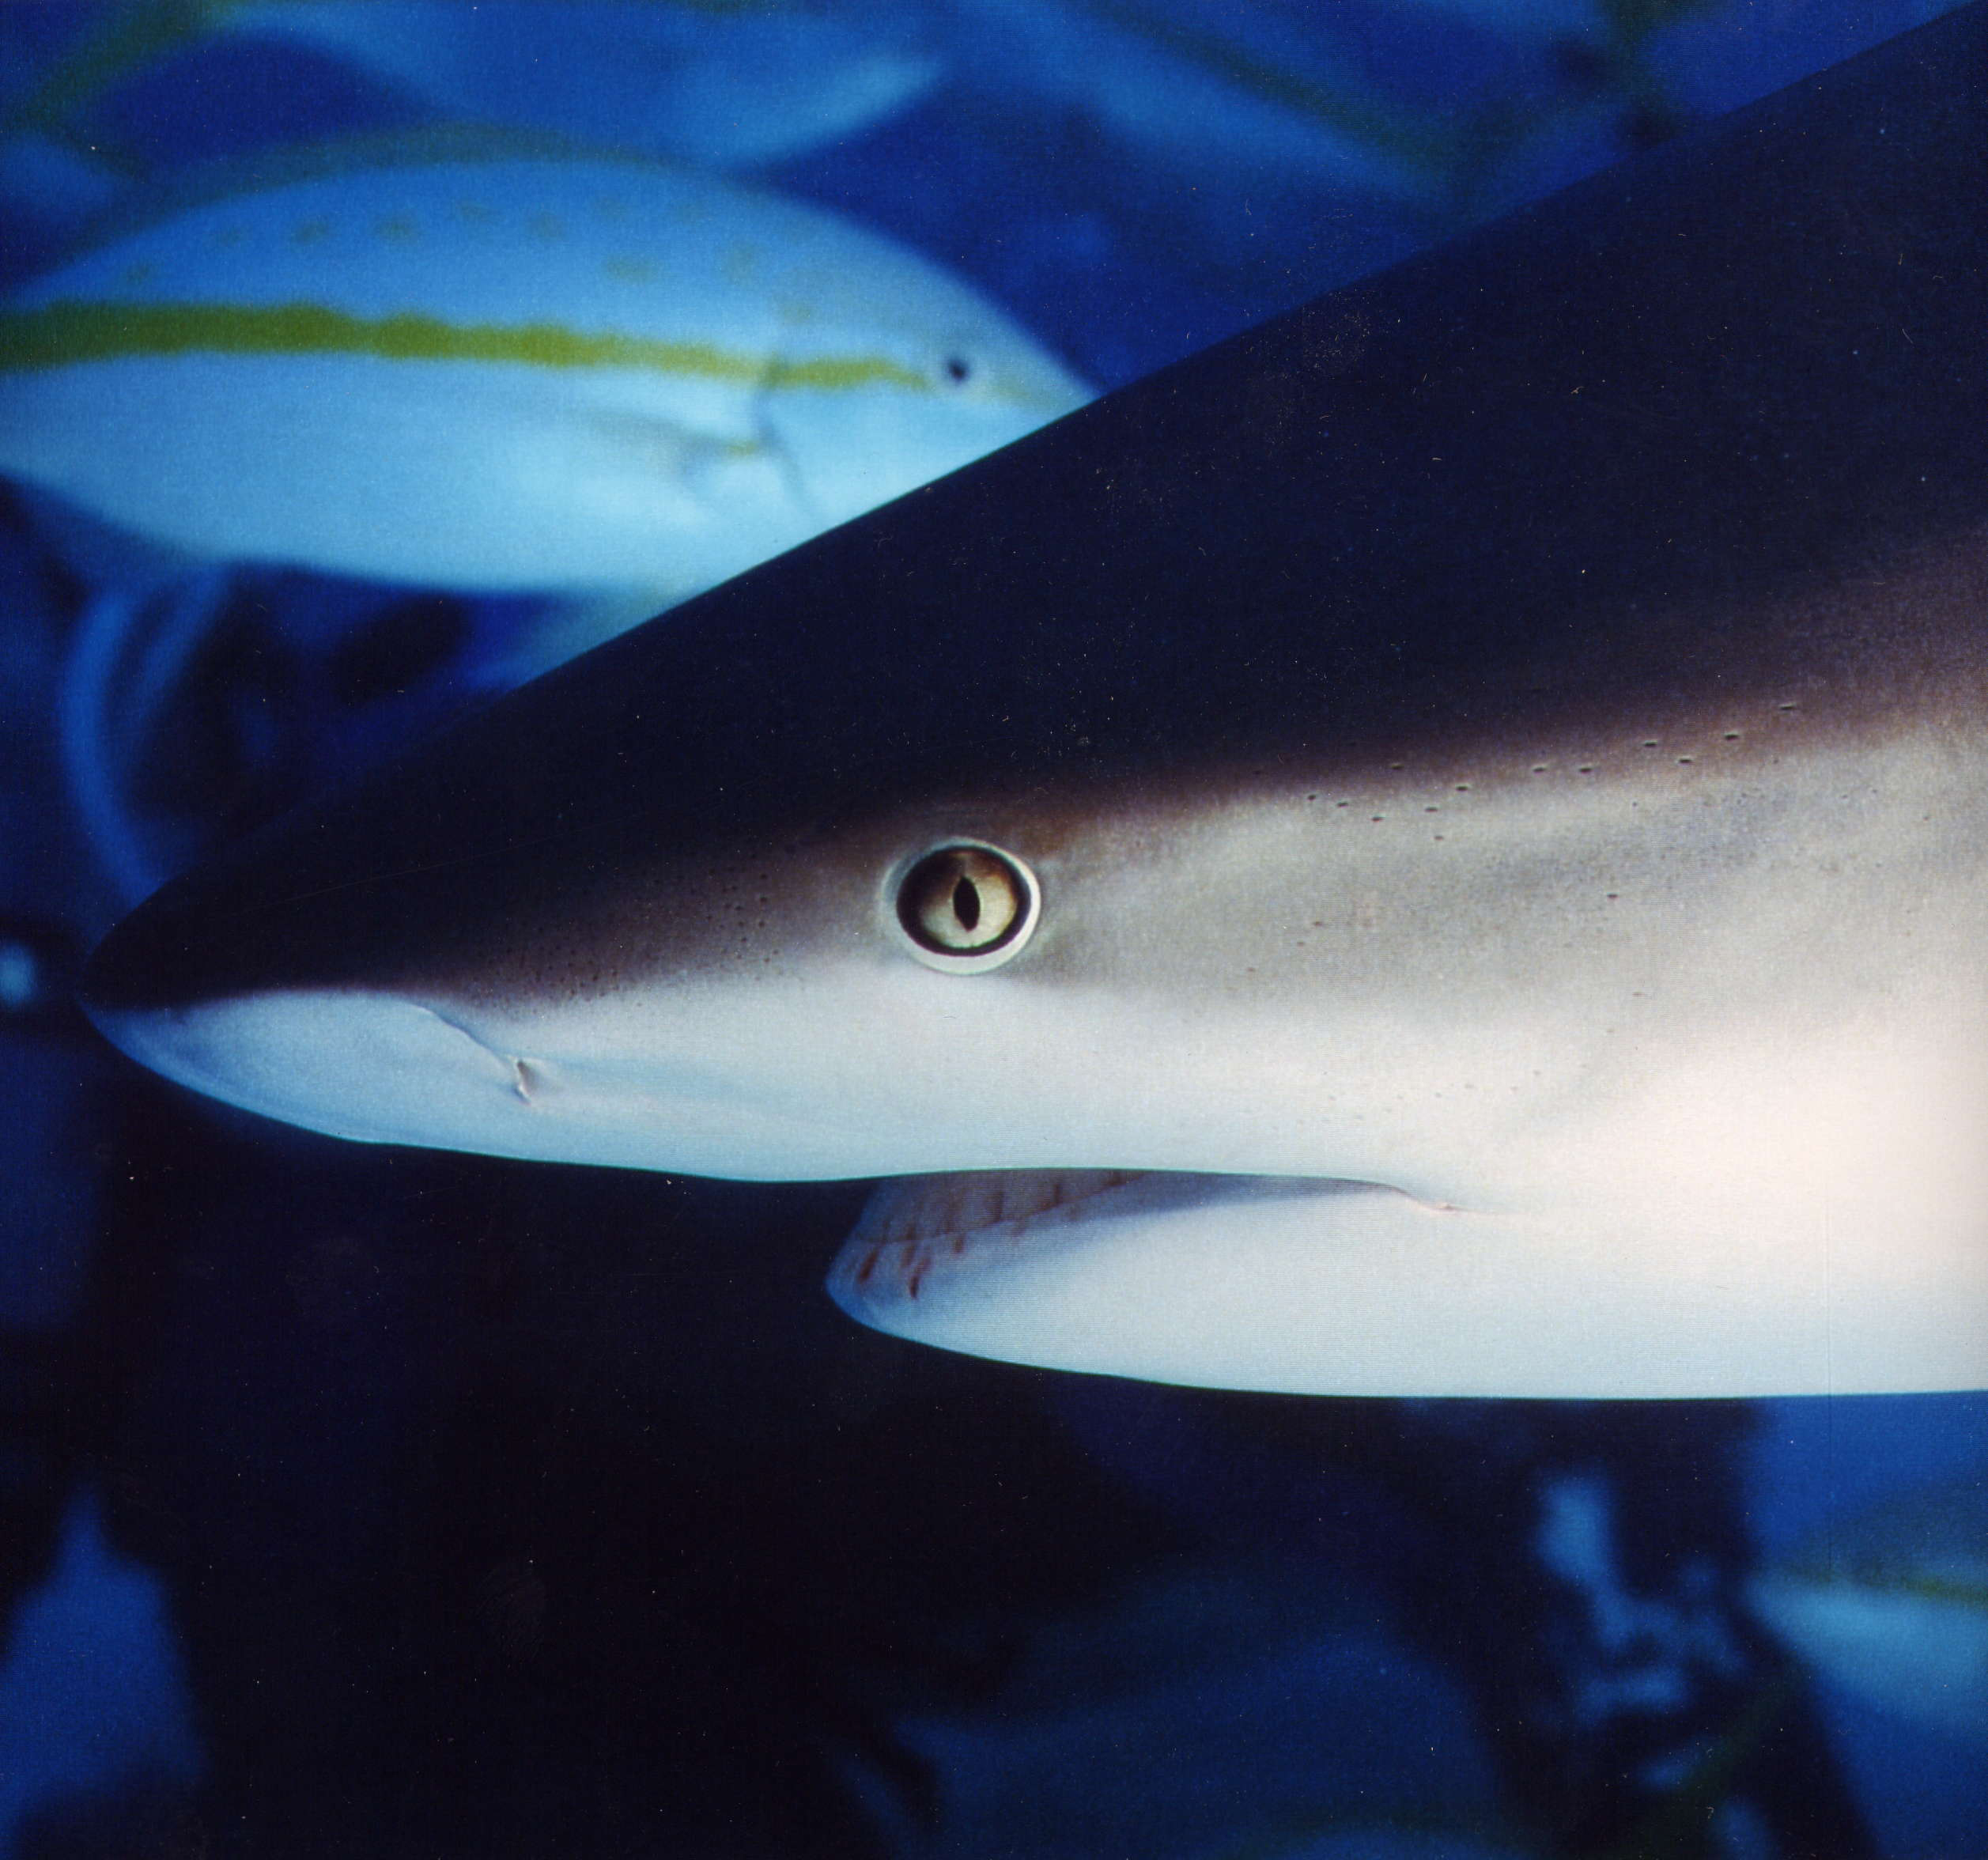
[
  {"x": 265, "y": 985},
  {"x": 352, "y": 1063}
]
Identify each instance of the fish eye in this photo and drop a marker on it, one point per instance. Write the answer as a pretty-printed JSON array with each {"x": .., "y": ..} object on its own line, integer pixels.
[{"x": 966, "y": 906}]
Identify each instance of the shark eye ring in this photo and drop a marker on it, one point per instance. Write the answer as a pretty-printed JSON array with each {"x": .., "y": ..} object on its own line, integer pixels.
[{"x": 966, "y": 906}]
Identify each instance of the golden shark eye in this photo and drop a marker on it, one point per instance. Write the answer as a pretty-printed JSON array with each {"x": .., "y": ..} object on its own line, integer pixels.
[{"x": 966, "y": 906}]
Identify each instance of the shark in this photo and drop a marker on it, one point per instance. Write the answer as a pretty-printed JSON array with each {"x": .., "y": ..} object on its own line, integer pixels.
[{"x": 1438, "y": 848}]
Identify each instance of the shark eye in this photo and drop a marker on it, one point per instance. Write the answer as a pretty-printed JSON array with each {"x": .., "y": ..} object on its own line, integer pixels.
[{"x": 966, "y": 907}]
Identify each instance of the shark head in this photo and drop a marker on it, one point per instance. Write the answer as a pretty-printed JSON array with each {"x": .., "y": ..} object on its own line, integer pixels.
[{"x": 1440, "y": 848}]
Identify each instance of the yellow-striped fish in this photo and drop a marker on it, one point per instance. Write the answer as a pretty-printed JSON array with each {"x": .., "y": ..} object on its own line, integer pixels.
[
  {"x": 741, "y": 84},
  {"x": 460, "y": 365}
]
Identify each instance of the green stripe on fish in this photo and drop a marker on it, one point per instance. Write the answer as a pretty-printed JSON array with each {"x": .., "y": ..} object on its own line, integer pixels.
[{"x": 65, "y": 334}]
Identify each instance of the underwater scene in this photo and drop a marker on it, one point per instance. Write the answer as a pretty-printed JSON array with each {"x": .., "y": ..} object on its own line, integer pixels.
[{"x": 567, "y": 1468}]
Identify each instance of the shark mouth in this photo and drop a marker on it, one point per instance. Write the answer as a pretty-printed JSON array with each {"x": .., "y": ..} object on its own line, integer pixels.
[
  {"x": 916, "y": 1224},
  {"x": 920, "y": 1236}
]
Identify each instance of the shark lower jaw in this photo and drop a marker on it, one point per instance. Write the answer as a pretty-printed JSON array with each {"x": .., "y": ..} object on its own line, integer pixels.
[
  {"x": 1207, "y": 1280},
  {"x": 1326, "y": 1287},
  {"x": 1604, "y": 1287},
  {"x": 941, "y": 1228}
]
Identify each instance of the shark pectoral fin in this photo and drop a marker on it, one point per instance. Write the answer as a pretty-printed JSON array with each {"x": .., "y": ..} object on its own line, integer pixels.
[{"x": 1349, "y": 1288}]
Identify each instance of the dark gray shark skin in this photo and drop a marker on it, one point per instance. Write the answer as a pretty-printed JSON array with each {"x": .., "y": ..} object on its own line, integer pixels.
[{"x": 1521, "y": 721}]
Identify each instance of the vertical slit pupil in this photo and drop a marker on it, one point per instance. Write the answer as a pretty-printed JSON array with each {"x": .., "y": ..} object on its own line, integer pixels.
[{"x": 966, "y": 903}]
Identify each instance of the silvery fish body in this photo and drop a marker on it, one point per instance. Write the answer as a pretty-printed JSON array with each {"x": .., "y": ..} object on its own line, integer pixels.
[
  {"x": 1226, "y": 101},
  {"x": 1440, "y": 847},
  {"x": 717, "y": 86},
  {"x": 1892, "y": 1604},
  {"x": 500, "y": 371}
]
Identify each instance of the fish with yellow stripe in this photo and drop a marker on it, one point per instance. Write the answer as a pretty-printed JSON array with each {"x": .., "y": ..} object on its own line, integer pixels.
[
  {"x": 474, "y": 365},
  {"x": 741, "y": 84}
]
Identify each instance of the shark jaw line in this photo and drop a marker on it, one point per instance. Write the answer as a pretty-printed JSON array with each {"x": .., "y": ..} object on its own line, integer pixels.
[
  {"x": 917, "y": 1226},
  {"x": 920, "y": 1228},
  {"x": 1324, "y": 1285},
  {"x": 1029, "y": 1265}
]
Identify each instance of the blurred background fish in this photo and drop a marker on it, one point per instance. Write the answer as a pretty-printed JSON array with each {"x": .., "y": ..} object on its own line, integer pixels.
[
  {"x": 358, "y": 357},
  {"x": 726, "y": 86},
  {"x": 1220, "y": 94},
  {"x": 1890, "y": 1603},
  {"x": 718, "y": 86}
]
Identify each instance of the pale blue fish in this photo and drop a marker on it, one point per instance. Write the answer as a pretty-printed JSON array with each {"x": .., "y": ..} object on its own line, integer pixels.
[
  {"x": 727, "y": 86},
  {"x": 719, "y": 86},
  {"x": 456, "y": 365},
  {"x": 60, "y": 164},
  {"x": 53, "y": 180},
  {"x": 1219, "y": 97},
  {"x": 53, "y": 186},
  {"x": 1892, "y": 1604},
  {"x": 1440, "y": 847}
]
